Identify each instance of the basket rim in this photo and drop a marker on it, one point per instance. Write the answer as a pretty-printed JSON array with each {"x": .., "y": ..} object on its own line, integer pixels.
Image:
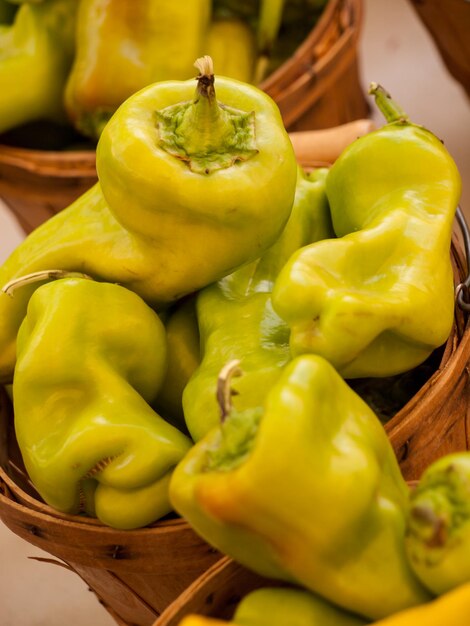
[
  {"x": 22, "y": 500},
  {"x": 345, "y": 12}
]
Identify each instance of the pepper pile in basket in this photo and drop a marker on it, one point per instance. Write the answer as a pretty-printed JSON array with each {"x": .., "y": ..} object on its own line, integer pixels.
[
  {"x": 182, "y": 336},
  {"x": 76, "y": 61}
]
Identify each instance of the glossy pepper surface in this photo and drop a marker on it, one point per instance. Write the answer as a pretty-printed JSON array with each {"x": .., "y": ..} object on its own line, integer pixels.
[
  {"x": 91, "y": 356},
  {"x": 36, "y": 53},
  {"x": 438, "y": 526},
  {"x": 236, "y": 319},
  {"x": 124, "y": 46},
  {"x": 154, "y": 224},
  {"x": 379, "y": 299},
  {"x": 307, "y": 490}
]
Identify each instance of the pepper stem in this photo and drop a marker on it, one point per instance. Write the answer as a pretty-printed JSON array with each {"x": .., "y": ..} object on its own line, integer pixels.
[
  {"x": 10, "y": 287},
  {"x": 390, "y": 109},
  {"x": 205, "y": 65},
  {"x": 204, "y": 133},
  {"x": 224, "y": 390}
]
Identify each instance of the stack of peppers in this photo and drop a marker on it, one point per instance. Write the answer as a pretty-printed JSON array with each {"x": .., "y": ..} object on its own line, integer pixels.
[
  {"x": 73, "y": 62},
  {"x": 200, "y": 311}
]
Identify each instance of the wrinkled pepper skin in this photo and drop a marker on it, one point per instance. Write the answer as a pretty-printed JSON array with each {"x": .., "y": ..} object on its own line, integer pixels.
[
  {"x": 163, "y": 231},
  {"x": 236, "y": 319},
  {"x": 379, "y": 299},
  {"x": 220, "y": 212},
  {"x": 36, "y": 53},
  {"x": 451, "y": 609},
  {"x": 91, "y": 356},
  {"x": 124, "y": 46},
  {"x": 438, "y": 526},
  {"x": 308, "y": 490}
]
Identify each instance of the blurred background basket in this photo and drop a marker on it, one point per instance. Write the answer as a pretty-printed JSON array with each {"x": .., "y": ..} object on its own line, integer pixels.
[{"x": 318, "y": 87}]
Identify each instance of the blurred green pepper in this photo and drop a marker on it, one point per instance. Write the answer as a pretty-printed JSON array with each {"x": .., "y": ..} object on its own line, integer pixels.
[
  {"x": 307, "y": 490},
  {"x": 91, "y": 356},
  {"x": 236, "y": 319},
  {"x": 124, "y": 46},
  {"x": 277, "y": 606},
  {"x": 232, "y": 46},
  {"x": 181, "y": 202},
  {"x": 379, "y": 299},
  {"x": 438, "y": 527},
  {"x": 36, "y": 54}
]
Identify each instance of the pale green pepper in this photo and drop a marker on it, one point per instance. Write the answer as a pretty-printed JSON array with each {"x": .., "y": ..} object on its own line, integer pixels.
[
  {"x": 91, "y": 357},
  {"x": 378, "y": 299},
  {"x": 236, "y": 319},
  {"x": 306, "y": 489}
]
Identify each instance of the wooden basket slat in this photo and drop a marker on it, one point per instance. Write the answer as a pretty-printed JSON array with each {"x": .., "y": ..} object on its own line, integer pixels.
[
  {"x": 216, "y": 592},
  {"x": 120, "y": 599}
]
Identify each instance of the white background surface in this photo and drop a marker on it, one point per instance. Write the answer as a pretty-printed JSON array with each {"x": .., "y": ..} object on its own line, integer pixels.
[{"x": 397, "y": 52}]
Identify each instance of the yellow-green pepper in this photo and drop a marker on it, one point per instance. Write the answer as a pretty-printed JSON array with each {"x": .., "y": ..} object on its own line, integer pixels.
[
  {"x": 36, "y": 53},
  {"x": 124, "y": 46},
  {"x": 277, "y": 606},
  {"x": 91, "y": 357},
  {"x": 183, "y": 349},
  {"x": 231, "y": 44},
  {"x": 158, "y": 222},
  {"x": 379, "y": 299},
  {"x": 236, "y": 319},
  {"x": 307, "y": 490},
  {"x": 438, "y": 526}
]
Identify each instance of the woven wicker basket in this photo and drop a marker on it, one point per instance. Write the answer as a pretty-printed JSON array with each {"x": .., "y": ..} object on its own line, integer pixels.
[
  {"x": 215, "y": 593},
  {"x": 319, "y": 87}
]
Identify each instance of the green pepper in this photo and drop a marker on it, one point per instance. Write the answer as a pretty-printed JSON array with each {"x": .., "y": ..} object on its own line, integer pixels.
[
  {"x": 232, "y": 46},
  {"x": 307, "y": 490},
  {"x": 236, "y": 319},
  {"x": 36, "y": 54},
  {"x": 91, "y": 357},
  {"x": 379, "y": 299},
  {"x": 438, "y": 527},
  {"x": 182, "y": 334},
  {"x": 124, "y": 46},
  {"x": 277, "y": 606},
  {"x": 157, "y": 222}
]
